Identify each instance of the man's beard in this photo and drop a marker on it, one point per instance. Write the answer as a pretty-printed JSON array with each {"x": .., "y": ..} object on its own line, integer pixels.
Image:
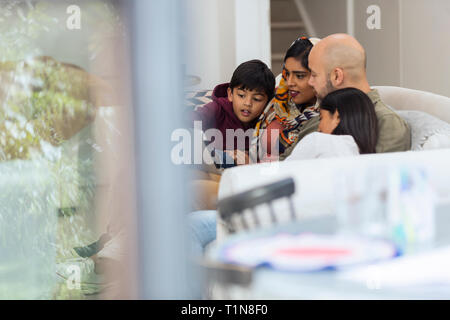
[{"x": 328, "y": 89}]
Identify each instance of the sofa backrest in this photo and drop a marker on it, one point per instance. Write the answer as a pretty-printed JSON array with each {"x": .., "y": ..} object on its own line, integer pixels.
[
  {"x": 427, "y": 114},
  {"x": 409, "y": 99}
]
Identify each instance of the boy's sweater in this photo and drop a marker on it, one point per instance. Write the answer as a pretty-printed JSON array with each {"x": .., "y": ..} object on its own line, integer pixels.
[{"x": 219, "y": 114}]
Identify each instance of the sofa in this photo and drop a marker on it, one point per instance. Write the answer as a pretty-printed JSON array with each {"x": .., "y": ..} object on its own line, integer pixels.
[{"x": 317, "y": 191}]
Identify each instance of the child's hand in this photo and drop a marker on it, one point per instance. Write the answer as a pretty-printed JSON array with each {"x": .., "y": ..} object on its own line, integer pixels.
[{"x": 240, "y": 157}]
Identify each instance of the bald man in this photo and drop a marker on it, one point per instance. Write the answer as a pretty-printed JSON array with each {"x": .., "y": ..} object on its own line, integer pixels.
[{"x": 339, "y": 61}]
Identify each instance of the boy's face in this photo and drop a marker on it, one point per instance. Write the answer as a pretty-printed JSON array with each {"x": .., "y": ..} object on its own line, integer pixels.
[{"x": 247, "y": 104}]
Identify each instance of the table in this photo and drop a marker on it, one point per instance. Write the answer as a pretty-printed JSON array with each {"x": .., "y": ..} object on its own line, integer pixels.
[{"x": 272, "y": 284}]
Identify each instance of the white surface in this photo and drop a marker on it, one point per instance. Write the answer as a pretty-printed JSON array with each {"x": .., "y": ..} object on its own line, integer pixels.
[
  {"x": 203, "y": 49},
  {"x": 316, "y": 179},
  {"x": 430, "y": 268},
  {"x": 252, "y": 30},
  {"x": 222, "y": 34},
  {"x": 321, "y": 145}
]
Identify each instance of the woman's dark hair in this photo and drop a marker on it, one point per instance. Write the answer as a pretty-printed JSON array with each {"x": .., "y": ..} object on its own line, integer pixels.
[
  {"x": 254, "y": 75},
  {"x": 357, "y": 117},
  {"x": 299, "y": 50}
]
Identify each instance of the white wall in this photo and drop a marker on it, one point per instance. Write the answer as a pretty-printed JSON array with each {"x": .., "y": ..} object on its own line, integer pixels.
[
  {"x": 382, "y": 45},
  {"x": 252, "y": 30},
  {"x": 412, "y": 47},
  {"x": 425, "y": 43},
  {"x": 327, "y": 16},
  {"x": 202, "y": 41},
  {"x": 220, "y": 34}
]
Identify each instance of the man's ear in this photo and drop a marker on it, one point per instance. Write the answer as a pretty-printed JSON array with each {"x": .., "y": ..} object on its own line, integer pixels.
[
  {"x": 337, "y": 77},
  {"x": 230, "y": 94}
]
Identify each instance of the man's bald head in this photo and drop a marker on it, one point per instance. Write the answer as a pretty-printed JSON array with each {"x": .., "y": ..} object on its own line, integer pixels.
[
  {"x": 340, "y": 52},
  {"x": 343, "y": 51}
]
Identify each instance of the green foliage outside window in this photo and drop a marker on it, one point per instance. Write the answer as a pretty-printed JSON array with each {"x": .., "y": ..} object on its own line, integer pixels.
[{"x": 46, "y": 115}]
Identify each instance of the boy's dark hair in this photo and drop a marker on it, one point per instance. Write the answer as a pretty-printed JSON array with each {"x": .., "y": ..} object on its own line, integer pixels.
[
  {"x": 254, "y": 75},
  {"x": 299, "y": 50},
  {"x": 357, "y": 117}
]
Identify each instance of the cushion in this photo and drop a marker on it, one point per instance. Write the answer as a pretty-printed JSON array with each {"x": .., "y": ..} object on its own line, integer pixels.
[
  {"x": 427, "y": 132},
  {"x": 195, "y": 99}
]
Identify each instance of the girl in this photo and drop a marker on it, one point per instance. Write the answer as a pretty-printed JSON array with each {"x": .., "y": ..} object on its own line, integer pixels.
[{"x": 348, "y": 126}]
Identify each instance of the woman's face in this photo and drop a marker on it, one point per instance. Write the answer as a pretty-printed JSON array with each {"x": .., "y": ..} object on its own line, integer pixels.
[
  {"x": 328, "y": 121},
  {"x": 297, "y": 81}
]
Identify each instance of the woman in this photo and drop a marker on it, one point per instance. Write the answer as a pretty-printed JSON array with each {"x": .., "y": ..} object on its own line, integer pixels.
[
  {"x": 348, "y": 126},
  {"x": 294, "y": 103}
]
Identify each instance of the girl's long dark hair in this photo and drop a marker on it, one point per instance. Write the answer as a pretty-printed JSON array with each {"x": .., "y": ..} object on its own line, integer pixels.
[{"x": 357, "y": 117}]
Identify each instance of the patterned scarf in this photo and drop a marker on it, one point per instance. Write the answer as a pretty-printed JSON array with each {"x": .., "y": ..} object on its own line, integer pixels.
[{"x": 283, "y": 109}]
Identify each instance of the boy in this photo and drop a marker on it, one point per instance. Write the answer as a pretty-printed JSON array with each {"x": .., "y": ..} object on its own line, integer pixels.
[{"x": 238, "y": 105}]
